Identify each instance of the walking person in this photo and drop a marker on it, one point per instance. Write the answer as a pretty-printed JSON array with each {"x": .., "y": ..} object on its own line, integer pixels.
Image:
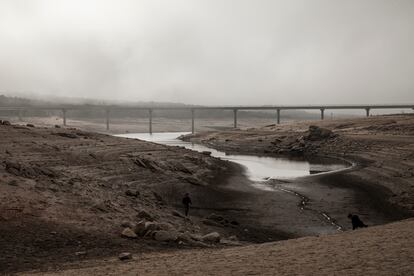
[{"x": 187, "y": 202}]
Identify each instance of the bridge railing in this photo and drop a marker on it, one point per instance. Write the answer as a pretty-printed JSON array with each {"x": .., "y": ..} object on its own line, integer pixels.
[{"x": 278, "y": 109}]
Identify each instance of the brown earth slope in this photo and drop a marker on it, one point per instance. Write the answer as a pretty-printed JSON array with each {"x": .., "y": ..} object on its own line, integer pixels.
[
  {"x": 64, "y": 194},
  {"x": 383, "y": 250}
]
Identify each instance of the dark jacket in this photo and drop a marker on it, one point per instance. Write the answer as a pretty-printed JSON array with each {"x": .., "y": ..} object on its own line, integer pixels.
[{"x": 187, "y": 200}]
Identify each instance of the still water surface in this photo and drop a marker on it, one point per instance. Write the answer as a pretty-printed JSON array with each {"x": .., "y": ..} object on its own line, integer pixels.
[{"x": 257, "y": 168}]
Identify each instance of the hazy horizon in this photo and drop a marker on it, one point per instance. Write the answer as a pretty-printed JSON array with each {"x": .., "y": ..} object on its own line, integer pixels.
[{"x": 209, "y": 52}]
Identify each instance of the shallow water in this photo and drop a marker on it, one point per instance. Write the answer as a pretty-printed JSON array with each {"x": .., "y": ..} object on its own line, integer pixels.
[{"x": 257, "y": 168}]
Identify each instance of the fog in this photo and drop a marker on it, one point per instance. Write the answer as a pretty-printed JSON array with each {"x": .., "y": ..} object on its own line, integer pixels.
[{"x": 210, "y": 52}]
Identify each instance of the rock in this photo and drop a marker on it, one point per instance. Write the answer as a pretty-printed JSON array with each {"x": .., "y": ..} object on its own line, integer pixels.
[
  {"x": 6, "y": 123},
  {"x": 125, "y": 256},
  {"x": 133, "y": 193},
  {"x": 80, "y": 253},
  {"x": 233, "y": 238},
  {"x": 12, "y": 166},
  {"x": 215, "y": 217},
  {"x": 67, "y": 135},
  {"x": 208, "y": 153},
  {"x": 13, "y": 183},
  {"x": 128, "y": 224},
  {"x": 229, "y": 242},
  {"x": 157, "y": 197},
  {"x": 140, "y": 229},
  {"x": 30, "y": 125},
  {"x": 128, "y": 233},
  {"x": 185, "y": 237},
  {"x": 140, "y": 163},
  {"x": 165, "y": 226},
  {"x": 151, "y": 226},
  {"x": 165, "y": 236},
  {"x": 145, "y": 215},
  {"x": 316, "y": 133},
  {"x": 57, "y": 126},
  {"x": 193, "y": 180},
  {"x": 211, "y": 237},
  {"x": 196, "y": 237}
]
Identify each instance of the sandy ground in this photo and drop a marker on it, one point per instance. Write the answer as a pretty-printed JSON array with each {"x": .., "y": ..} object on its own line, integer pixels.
[
  {"x": 384, "y": 250},
  {"x": 67, "y": 194}
]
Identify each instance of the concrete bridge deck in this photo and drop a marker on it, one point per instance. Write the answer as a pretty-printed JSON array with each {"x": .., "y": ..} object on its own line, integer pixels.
[{"x": 192, "y": 109}]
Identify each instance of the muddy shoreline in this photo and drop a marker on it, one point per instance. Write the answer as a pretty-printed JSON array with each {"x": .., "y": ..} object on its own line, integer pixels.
[
  {"x": 361, "y": 195},
  {"x": 48, "y": 220}
]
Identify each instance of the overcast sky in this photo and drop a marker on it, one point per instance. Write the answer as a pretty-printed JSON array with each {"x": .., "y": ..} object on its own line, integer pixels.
[{"x": 210, "y": 52}]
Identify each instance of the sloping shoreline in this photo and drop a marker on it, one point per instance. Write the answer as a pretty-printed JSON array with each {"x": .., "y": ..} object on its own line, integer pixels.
[
  {"x": 381, "y": 250},
  {"x": 79, "y": 180}
]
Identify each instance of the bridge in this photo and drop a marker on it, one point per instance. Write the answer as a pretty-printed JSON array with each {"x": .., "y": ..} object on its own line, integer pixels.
[{"x": 193, "y": 109}]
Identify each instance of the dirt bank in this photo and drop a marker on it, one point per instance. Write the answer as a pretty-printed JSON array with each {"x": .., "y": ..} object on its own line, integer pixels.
[
  {"x": 66, "y": 195},
  {"x": 383, "y": 250},
  {"x": 380, "y": 187}
]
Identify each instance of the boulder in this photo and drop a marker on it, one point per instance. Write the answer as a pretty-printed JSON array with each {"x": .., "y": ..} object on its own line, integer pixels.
[
  {"x": 128, "y": 224},
  {"x": 132, "y": 193},
  {"x": 233, "y": 238},
  {"x": 67, "y": 135},
  {"x": 57, "y": 126},
  {"x": 165, "y": 226},
  {"x": 30, "y": 125},
  {"x": 125, "y": 256},
  {"x": 151, "y": 226},
  {"x": 139, "y": 228},
  {"x": 211, "y": 237},
  {"x": 6, "y": 123},
  {"x": 215, "y": 217},
  {"x": 145, "y": 215},
  {"x": 316, "y": 133},
  {"x": 185, "y": 237},
  {"x": 128, "y": 233},
  {"x": 165, "y": 236},
  {"x": 157, "y": 196},
  {"x": 81, "y": 253},
  {"x": 196, "y": 237}
]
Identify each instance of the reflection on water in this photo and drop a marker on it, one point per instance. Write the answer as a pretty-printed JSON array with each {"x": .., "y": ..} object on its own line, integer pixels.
[{"x": 257, "y": 168}]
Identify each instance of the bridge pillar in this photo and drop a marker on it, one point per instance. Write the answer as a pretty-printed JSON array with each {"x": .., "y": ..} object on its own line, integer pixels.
[
  {"x": 21, "y": 115},
  {"x": 235, "y": 118},
  {"x": 107, "y": 118},
  {"x": 367, "y": 111},
  {"x": 278, "y": 116},
  {"x": 322, "y": 113},
  {"x": 64, "y": 116},
  {"x": 150, "y": 120},
  {"x": 192, "y": 121}
]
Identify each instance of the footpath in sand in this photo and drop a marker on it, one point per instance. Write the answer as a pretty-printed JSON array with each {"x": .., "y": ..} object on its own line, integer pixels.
[{"x": 382, "y": 250}]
